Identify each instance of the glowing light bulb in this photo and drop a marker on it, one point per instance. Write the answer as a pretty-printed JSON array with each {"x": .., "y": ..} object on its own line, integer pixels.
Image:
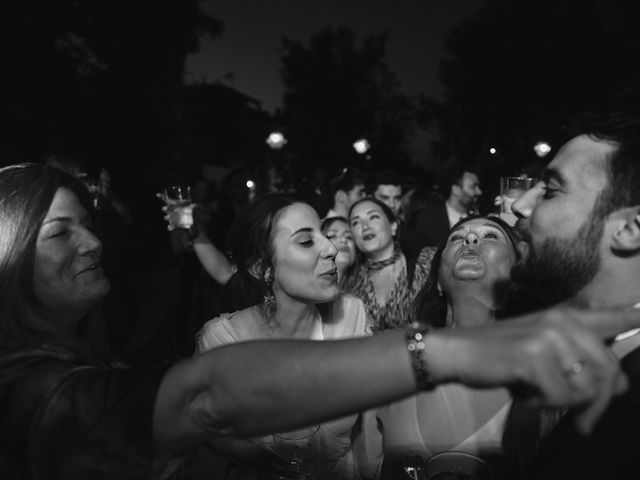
[
  {"x": 276, "y": 140},
  {"x": 361, "y": 145},
  {"x": 542, "y": 148}
]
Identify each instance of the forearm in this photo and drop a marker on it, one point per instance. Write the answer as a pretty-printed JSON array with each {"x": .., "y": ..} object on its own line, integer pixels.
[
  {"x": 212, "y": 259},
  {"x": 259, "y": 387}
]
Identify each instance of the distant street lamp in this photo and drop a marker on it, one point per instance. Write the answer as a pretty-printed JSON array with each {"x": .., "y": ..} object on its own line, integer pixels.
[
  {"x": 276, "y": 140},
  {"x": 542, "y": 148},
  {"x": 493, "y": 151},
  {"x": 361, "y": 146}
]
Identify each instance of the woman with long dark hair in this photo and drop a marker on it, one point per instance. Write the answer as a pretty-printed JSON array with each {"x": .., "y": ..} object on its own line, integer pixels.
[
  {"x": 286, "y": 286},
  {"x": 386, "y": 279},
  {"x": 469, "y": 285}
]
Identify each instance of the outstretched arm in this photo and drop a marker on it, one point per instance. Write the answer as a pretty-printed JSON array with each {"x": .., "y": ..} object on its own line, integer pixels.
[
  {"x": 253, "y": 388},
  {"x": 257, "y": 387}
]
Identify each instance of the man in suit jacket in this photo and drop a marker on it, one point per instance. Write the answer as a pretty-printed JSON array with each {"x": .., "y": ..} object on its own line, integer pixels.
[
  {"x": 583, "y": 220},
  {"x": 463, "y": 189}
]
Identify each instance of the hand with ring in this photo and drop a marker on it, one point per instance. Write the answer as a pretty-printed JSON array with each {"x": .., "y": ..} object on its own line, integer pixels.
[{"x": 555, "y": 358}]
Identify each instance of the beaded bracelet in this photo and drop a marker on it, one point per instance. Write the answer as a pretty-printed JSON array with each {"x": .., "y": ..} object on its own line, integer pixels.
[{"x": 415, "y": 345}]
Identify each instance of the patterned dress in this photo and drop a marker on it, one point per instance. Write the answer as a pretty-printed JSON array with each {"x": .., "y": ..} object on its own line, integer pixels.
[{"x": 396, "y": 312}]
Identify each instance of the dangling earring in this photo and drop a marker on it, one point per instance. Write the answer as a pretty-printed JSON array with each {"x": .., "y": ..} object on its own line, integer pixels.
[
  {"x": 439, "y": 290},
  {"x": 269, "y": 299}
]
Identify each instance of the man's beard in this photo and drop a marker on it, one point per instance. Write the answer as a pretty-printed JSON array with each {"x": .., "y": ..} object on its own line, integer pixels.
[
  {"x": 559, "y": 268},
  {"x": 469, "y": 202}
]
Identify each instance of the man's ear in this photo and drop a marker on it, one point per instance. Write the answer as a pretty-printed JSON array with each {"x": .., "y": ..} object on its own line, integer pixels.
[
  {"x": 340, "y": 197},
  {"x": 625, "y": 235},
  {"x": 455, "y": 190}
]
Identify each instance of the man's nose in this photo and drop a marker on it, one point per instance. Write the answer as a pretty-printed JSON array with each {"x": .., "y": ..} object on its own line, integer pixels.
[
  {"x": 523, "y": 205},
  {"x": 471, "y": 238}
]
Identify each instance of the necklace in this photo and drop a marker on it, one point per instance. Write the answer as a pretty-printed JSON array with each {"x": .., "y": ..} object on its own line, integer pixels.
[
  {"x": 383, "y": 263},
  {"x": 383, "y": 280}
]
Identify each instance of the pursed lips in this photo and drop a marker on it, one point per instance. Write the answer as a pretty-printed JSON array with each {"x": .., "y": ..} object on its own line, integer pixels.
[
  {"x": 332, "y": 271},
  {"x": 469, "y": 252}
]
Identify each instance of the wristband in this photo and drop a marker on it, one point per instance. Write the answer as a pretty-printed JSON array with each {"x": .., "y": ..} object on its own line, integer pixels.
[
  {"x": 415, "y": 334},
  {"x": 193, "y": 232}
]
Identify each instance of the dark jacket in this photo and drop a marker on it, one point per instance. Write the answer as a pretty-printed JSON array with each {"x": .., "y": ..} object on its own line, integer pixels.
[
  {"x": 609, "y": 452},
  {"x": 432, "y": 223}
]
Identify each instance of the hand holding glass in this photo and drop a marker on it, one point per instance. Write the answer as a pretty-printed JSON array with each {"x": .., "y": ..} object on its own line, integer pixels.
[
  {"x": 512, "y": 188},
  {"x": 178, "y": 205}
]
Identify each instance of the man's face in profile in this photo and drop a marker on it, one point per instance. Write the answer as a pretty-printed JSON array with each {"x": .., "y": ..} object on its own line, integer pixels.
[
  {"x": 563, "y": 225},
  {"x": 469, "y": 190}
]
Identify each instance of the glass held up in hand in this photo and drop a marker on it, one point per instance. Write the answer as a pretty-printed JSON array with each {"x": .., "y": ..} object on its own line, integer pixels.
[
  {"x": 512, "y": 188},
  {"x": 179, "y": 206}
]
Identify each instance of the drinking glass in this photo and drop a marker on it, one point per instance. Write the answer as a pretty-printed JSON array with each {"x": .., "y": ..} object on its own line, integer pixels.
[
  {"x": 512, "y": 188},
  {"x": 456, "y": 466},
  {"x": 179, "y": 205},
  {"x": 296, "y": 455}
]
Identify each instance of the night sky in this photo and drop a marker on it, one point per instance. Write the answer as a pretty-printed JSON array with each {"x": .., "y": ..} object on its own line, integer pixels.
[{"x": 246, "y": 56}]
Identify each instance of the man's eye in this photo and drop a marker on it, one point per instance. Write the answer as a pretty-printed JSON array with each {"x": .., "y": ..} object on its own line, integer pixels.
[
  {"x": 491, "y": 235},
  {"x": 549, "y": 192},
  {"x": 455, "y": 238}
]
